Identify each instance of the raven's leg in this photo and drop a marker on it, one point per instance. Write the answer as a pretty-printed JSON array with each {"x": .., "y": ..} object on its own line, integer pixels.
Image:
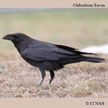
[
  {"x": 52, "y": 76},
  {"x": 42, "y": 74}
]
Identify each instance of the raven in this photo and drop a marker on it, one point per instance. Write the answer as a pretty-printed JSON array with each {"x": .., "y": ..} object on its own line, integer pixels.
[{"x": 47, "y": 56}]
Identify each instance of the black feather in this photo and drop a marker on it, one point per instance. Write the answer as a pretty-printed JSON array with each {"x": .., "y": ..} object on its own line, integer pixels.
[{"x": 73, "y": 50}]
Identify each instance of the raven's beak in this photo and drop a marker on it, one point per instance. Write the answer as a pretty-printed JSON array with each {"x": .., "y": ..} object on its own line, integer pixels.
[{"x": 8, "y": 37}]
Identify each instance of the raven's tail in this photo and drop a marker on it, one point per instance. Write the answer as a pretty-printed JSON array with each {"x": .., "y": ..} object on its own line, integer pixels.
[{"x": 94, "y": 59}]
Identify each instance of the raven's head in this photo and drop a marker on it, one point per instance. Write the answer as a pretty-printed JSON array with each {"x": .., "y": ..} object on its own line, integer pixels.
[
  {"x": 15, "y": 37},
  {"x": 20, "y": 40}
]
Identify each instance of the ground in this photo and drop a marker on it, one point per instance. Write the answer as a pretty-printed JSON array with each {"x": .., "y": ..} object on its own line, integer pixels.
[{"x": 19, "y": 79}]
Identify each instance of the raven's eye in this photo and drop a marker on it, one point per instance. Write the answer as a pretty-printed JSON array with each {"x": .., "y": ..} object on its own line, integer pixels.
[{"x": 15, "y": 36}]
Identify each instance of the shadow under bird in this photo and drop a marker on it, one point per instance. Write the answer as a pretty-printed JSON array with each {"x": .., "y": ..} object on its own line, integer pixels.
[{"x": 47, "y": 56}]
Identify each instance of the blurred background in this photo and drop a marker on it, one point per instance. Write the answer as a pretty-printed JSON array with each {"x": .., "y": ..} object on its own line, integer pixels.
[{"x": 77, "y": 28}]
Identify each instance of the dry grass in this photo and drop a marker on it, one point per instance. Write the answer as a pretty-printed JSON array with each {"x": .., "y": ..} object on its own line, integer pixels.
[{"x": 19, "y": 79}]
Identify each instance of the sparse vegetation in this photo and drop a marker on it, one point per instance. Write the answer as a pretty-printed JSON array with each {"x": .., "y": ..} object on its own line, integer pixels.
[{"x": 19, "y": 79}]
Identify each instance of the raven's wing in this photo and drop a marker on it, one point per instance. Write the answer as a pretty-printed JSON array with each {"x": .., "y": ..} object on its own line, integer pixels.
[
  {"x": 73, "y": 50},
  {"x": 46, "y": 51},
  {"x": 42, "y": 54}
]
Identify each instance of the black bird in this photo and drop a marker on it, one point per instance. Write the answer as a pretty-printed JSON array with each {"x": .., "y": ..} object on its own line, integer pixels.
[{"x": 47, "y": 56}]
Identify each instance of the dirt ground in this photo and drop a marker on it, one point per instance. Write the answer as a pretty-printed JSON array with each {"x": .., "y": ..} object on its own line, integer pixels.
[{"x": 19, "y": 79}]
